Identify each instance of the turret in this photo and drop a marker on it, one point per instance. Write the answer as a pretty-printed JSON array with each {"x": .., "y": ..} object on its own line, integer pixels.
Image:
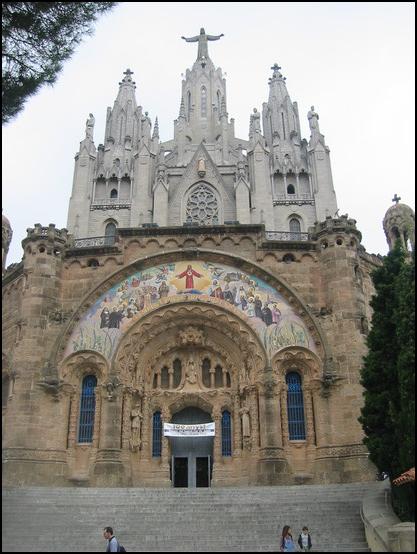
[{"x": 399, "y": 224}]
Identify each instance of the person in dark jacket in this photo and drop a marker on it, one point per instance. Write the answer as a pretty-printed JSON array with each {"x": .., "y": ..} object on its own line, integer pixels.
[{"x": 304, "y": 540}]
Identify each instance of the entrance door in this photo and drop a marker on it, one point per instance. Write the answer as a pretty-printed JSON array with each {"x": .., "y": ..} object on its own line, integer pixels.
[
  {"x": 197, "y": 451},
  {"x": 180, "y": 472},
  {"x": 202, "y": 476}
]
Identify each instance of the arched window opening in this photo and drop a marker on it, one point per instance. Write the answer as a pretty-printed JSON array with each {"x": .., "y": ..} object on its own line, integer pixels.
[
  {"x": 228, "y": 381},
  {"x": 226, "y": 434},
  {"x": 295, "y": 226},
  {"x": 219, "y": 102},
  {"x": 188, "y": 105},
  {"x": 177, "y": 372},
  {"x": 87, "y": 409},
  {"x": 155, "y": 381},
  {"x": 156, "y": 435},
  {"x": 295, "y": 407},
  {"x": 110, "y": 230},
  {"x": 164, "y": 378},
  {"x": 93, "y": 263},
  {"x": 290, "y": 189},
  {"x": 288, "y": 258},
  {"x": 218, "y": 379},
  {"x": 203, "y": 102},
  {"x": 206, "y": 372},
  {"x": 113, "y": 193}
]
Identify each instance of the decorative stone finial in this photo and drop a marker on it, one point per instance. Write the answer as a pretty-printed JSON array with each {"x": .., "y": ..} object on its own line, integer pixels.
[{"x": 128, "y": 78}]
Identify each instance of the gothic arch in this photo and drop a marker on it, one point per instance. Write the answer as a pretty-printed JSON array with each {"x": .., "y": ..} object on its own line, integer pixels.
[
  {"x": 165, "y": 330},
  {"x": 84, "y": 362}
]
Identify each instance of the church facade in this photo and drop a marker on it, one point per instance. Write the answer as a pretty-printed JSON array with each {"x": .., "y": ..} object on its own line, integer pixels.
[{"x": 205, "y": 279}]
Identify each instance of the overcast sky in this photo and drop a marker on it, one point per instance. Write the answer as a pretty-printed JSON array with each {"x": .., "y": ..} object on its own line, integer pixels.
[{"x": 353, "y": 61}]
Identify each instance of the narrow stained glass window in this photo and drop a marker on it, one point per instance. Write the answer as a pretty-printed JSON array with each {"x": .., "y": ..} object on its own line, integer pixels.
[
  {"x": 226, "y": 434},
  {"x": 295, "y": 406},
  {"x": 157, "y": 435},
  {"x": 87, "y": 409}
]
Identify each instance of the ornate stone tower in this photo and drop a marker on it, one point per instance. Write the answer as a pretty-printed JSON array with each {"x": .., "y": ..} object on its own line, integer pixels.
[
  {"x": 399, "y": 223},
  {"x": 205, "y": 175}
]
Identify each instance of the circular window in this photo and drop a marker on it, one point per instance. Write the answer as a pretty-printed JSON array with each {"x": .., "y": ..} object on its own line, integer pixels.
[
  {"x": 324, "y": 244},
  {"x": 41, "y": 249},
  {"x": 339, "y": 242},
  {"x": 202, "y": 207}
]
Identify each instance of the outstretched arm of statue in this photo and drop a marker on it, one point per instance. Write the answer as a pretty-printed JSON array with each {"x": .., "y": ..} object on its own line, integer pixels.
[
  {"x": 214, "y": 37},
  {"x": 191, "y": 39}
]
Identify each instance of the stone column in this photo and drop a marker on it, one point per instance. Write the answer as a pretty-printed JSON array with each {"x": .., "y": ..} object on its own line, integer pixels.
[
  {"x": 237, "y": 435},
  {"x": 309, "y": 419},
  {"x": 109, "y": 470},
  {"x": 165, "y": 454},
  {"x": 217, "y": 447},
  {"x": 212, "y": 374},
  {"x": 146, "y": 428}
]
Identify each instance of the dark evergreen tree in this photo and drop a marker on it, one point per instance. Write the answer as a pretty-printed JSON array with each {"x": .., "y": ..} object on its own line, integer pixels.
[
  {"x": 37, "y": 37},
  {"x": 379, "y": 372},
  {"x": 405, "y": 333}
]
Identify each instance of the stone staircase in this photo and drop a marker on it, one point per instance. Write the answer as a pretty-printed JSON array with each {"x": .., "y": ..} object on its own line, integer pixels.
[{"x": 40, "y": 519}]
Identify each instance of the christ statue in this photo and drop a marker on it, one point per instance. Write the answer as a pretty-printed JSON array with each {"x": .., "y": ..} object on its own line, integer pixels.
[{"x": 202, "y": 39}]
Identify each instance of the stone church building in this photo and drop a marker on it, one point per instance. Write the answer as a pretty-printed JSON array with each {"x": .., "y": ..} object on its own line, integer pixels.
[{"x": 208, "y": 278}]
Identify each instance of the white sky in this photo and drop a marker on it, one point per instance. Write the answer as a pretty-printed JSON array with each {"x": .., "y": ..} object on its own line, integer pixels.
[{"x": 353, "y": 61}]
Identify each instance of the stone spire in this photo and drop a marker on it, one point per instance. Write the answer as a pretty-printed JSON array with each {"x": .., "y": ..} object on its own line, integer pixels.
[
  {"x": 182, "y": 108},
  {"x": 121, "y": 119},
  {"x": 279, "y": 114},
  {"x": 155, "y": 134}
]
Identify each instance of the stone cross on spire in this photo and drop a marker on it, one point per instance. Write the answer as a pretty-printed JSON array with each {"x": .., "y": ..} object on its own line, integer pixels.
[
  {"x": 202, "y": 39},
  {"x": 396, "y": 198},
  {"x": 128, "y": 78}
]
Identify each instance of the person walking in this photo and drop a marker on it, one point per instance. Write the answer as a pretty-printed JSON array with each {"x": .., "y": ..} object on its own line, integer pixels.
[
  {"x": 304, "y": 540},
  {"x": 287, "y": 542},
  {"x": 113, "y": 544}
]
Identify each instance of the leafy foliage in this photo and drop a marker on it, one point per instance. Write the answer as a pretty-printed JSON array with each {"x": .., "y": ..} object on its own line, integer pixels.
[
  {"x": 388, "y": 374},
  {"x": 37, "y": 37}
]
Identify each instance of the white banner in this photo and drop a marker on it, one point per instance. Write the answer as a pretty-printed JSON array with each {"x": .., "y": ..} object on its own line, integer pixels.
[{"x": 196, "y": 430}]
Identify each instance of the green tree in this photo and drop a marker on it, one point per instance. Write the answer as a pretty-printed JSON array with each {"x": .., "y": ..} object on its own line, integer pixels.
[
  {"x": 405, "y": 317},
  {"x": 379, "y": 372},
  {"x": 37, "y": 37},
  {"x": 388, "y": 375}
]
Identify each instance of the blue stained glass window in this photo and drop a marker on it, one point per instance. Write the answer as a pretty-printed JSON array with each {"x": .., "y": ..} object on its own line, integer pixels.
[
  {"x": 87, "y": 409},
  {"x": 295, "y": 406},
  {"x": 157, "y": 435},
  {"x": 226, "y": 434}
]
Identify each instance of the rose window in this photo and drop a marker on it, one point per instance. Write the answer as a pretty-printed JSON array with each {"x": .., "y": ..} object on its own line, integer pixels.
[{"x": 202, "y": 207}]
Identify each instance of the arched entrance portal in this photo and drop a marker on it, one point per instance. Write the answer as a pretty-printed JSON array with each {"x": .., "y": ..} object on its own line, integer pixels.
[{"x": 191, "y": 461}]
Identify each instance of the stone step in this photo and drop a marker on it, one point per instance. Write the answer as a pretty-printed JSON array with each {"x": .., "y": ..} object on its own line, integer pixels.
[{"x": 39, "y": 519}]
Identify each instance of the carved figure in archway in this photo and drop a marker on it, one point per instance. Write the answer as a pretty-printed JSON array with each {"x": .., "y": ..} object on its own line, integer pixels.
[
  {"x": 246, "y": 427},
  {"x": 190, "y": 372},
  {"x": 136, "y": 417}
]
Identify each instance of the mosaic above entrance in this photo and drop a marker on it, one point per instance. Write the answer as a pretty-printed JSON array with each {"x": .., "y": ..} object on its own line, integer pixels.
[{"x": 264, "y": 308}]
